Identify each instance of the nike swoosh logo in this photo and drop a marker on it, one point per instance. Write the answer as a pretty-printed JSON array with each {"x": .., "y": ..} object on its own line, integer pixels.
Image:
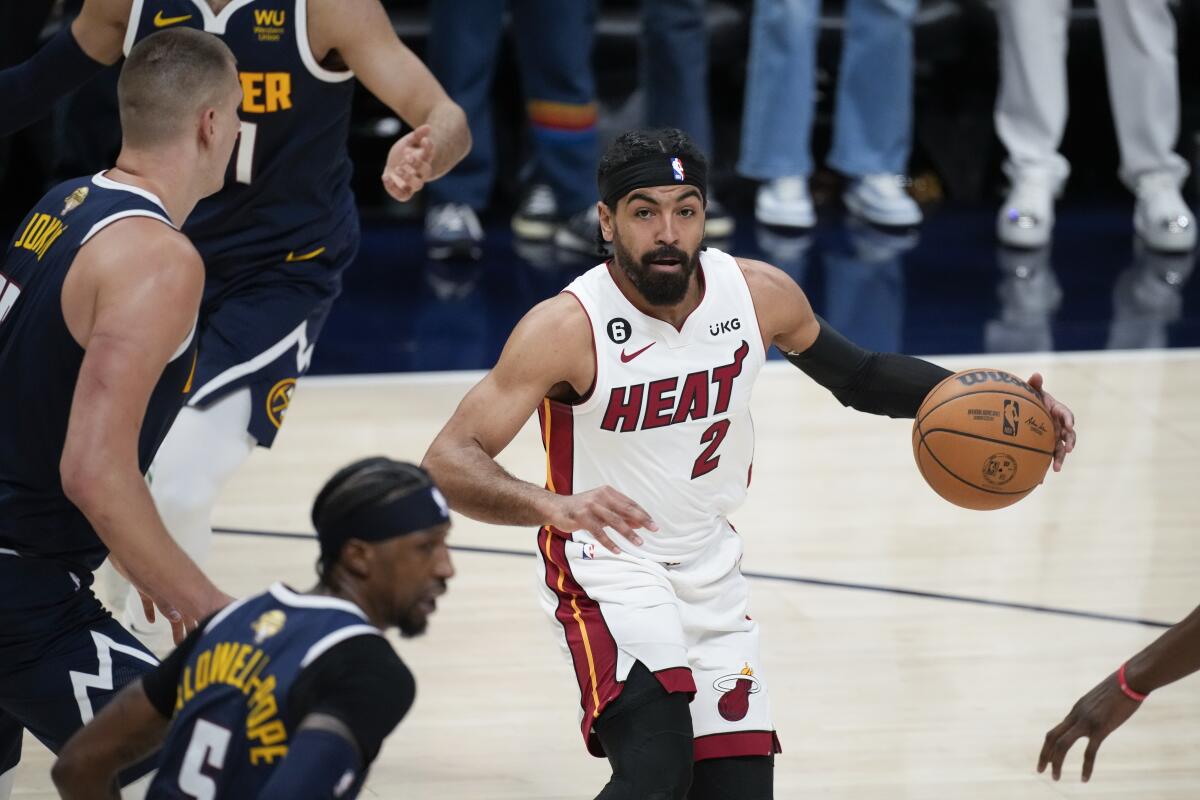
[
  {"x": 161, "y": 22},
  {"x": 306, "y": 257},
  {"x": 627, "y": 357}
]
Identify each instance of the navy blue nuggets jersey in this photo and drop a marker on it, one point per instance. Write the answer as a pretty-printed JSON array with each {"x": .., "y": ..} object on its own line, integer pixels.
[
  {"x": 39, "y": 365},
  {"x": 287, "y": 188},
  {"x": 232, "y": 721}
]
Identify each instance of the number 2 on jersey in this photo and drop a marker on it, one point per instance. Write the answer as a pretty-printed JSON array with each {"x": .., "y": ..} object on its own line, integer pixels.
[
  {"x": 707, "y": 461},
  {"x": 244, "y": 161}
]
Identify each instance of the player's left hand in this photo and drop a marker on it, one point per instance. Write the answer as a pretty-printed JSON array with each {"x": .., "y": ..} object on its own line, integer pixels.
[
  {"x": 1064, "y": 422},
  {"x": 409, "y": 164},
  {"x": 1097, "y": 714}
]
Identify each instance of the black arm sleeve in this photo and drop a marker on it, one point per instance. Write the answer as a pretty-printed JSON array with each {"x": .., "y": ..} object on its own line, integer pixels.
[
  {"x": 360, "y": 681},
  {"x": 877, "y": 383},
  {"x": 162, "y": 683},
  {"x": 29, "y": 90}
]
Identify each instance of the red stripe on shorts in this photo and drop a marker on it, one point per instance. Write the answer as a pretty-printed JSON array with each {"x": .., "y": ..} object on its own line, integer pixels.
[
  {"x": 737, "y": 743},
  {"x": 593, "y": 650}
]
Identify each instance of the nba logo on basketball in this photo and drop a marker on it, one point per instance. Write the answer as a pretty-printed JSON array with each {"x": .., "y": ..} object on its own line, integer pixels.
[
  {"x": 1012, "y": 417},
  {"x": 677, "y": 168}
]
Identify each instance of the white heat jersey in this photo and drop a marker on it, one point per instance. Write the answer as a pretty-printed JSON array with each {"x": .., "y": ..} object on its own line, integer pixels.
[{"x": 667, "y": 421}]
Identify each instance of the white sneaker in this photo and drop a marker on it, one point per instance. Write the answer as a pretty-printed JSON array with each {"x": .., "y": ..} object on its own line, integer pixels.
[
  {"x": 882, "y": 199},
  {"x": 1161, "y": 217},
  {"x": 785, "y": 203},
  {"x": 1026, "y": 219}
]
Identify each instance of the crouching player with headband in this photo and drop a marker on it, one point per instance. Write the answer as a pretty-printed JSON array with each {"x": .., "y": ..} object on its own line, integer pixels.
[{"x": 288, "y": 694}]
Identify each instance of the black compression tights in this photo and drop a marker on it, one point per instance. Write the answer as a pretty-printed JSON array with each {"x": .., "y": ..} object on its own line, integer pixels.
[{"x": 647, "y": 734}]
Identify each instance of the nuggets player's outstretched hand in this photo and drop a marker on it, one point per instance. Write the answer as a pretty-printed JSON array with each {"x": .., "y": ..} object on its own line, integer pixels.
[
  {"x": 410, "y": 164},
  {"x": 1064, "y": 422},
  {"x": 1097, "y": 714},
  {"x": 360, "y": 33}
]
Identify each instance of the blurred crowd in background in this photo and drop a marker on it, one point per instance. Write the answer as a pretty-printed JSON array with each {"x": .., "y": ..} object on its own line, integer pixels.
[{"x": 887, "y": 109}]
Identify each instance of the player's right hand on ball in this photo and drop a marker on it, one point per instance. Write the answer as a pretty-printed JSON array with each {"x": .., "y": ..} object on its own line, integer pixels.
[{"x": 601, "y": 508}]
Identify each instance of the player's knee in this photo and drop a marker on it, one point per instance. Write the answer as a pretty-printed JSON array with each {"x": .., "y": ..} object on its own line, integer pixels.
[{"x": 648, "y": 737}]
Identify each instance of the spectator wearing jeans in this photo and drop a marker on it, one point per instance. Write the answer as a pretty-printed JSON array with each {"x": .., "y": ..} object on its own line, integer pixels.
[
  {"x": 554, "y": 48},
  {"x": 872, "y": 128}
]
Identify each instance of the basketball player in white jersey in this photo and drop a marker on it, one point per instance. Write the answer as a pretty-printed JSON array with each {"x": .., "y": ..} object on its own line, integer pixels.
[{"x": 641, "y": 371}]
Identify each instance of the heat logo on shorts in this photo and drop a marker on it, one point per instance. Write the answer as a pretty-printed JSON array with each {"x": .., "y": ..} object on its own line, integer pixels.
[
  {"x": 735, "y": 693},
  {"x": 677, "y": 169}
]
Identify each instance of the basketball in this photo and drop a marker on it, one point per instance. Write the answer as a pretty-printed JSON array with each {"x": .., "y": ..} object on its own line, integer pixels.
[{"x": 983, "y": 439}]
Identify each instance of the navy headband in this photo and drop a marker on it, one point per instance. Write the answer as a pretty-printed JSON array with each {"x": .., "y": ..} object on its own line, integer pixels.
[
  {"x": 655, "y": 169},
  {"x": 416, "y": 511}
]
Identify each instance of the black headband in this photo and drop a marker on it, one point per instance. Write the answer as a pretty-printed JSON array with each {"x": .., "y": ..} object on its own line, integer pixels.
[
  {"x": 656, "y": 169},
  {"x": 416, "y": 511}
]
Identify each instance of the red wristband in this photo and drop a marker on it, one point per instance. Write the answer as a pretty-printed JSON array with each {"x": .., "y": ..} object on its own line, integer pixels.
[{"x": 1130, "y": 693}]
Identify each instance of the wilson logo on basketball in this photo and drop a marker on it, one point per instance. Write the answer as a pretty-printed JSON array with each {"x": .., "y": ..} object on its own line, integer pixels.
[
  {"x": 735, "y": 693},
  {"x": 983, "y": 376}
]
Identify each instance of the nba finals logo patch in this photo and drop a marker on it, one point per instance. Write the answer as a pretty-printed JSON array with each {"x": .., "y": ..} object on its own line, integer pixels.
[
  {"x": 74, "y": 200},
  {"x": 269, "y": 624},
  {"x": 735, "y": 693},
  {"x": 677, "y": 169}
]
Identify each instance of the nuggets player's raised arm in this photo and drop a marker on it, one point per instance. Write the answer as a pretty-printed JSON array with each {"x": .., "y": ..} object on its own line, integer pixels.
[
  {"x": 549, "y": 354},
  {"x": 361, "y": 33},
  {"x": 69, "y": 60},
  {"x": 877, "y": 383},
  {"x": 130, "y": 300}
]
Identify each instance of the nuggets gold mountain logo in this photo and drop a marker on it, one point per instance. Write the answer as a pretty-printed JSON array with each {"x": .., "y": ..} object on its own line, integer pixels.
[
  {"x": 74, "y": 200},
  {"x": 270, "y": 623},
  {"x": 278, "y": 400},
  {"x": 735, "y": 693}
]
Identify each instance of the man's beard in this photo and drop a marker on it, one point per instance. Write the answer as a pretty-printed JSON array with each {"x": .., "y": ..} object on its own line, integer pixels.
[
  {"x": 657, "y": 287},
  {"x": 412, "y": 624}
]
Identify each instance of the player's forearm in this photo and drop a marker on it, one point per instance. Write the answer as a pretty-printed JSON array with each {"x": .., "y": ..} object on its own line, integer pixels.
[
  {"x": 475, "y": 485},
  {"x": 451, "y": 135},
  {"x": 124, "y": 732},
  {"x": 1174, "y": 655},
  {"x": 119, "y": 506}
]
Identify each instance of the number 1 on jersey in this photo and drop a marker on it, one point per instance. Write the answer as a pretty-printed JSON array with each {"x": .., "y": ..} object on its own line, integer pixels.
[
  {"x": 244, "y": 164},
  {"x": 707, "y": 461}
]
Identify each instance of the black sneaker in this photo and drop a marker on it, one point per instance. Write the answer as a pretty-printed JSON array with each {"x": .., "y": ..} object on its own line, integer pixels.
[
  {"x": 452, "y": 231},
  {"x": 537, "y": 215},
  {"x": 718, "y": 224},
  {"x": 579, "y": 233}
]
